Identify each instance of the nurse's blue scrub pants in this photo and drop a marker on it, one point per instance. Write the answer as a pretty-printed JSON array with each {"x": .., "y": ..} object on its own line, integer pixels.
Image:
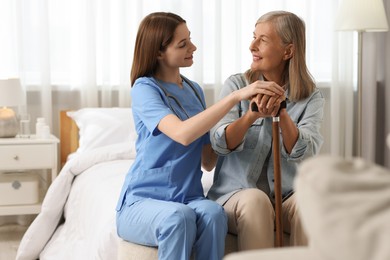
[{"x": 176, "y": 228}]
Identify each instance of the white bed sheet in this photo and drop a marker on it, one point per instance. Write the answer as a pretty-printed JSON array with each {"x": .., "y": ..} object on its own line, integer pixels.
[
  {"x": 89, "y": 230},
  {"x": 77, "y": 220},
  {"x": 63, "y": 201}
]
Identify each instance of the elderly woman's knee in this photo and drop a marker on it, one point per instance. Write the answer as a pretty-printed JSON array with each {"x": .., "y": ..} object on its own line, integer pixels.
[{"x": 255, "y": 200}]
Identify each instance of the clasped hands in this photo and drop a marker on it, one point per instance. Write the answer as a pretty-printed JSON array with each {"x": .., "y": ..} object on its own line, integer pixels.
[{"x": 268, "y": 103}]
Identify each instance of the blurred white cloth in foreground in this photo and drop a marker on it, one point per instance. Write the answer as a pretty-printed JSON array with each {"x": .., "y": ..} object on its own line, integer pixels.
[{"x": 345, "y": 207}]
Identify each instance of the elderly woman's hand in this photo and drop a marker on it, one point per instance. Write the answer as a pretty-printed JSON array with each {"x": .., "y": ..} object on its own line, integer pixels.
[{"x": 266, "y": 106}]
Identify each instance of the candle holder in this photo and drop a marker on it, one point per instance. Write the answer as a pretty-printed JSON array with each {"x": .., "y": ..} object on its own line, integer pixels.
[{"x": 11, "y": 94}]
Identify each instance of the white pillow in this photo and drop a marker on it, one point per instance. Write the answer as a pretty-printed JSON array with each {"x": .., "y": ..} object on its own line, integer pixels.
[{"x": 99, "y": 127}]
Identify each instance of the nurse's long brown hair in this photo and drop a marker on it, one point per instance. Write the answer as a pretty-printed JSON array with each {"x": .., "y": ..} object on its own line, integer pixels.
[
  {"x": 155, "y": 33},
  {"x": 291, "y": 30}
]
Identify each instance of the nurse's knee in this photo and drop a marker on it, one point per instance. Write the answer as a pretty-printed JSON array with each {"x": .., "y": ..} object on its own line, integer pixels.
[
  {"x": 180, "y": 219},
  {"x": 214, "y": 214}
]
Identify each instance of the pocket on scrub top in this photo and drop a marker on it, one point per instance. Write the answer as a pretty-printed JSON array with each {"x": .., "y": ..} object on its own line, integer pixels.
[{"x": 153, "y": 183}]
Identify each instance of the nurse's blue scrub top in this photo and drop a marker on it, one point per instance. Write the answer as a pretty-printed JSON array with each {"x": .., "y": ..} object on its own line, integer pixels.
[{"x": 163, "y": 169}]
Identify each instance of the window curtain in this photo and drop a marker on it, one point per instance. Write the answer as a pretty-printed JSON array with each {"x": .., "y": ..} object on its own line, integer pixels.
[
  {"x": 374, "y": 83},
  {"x": 375, "y": 125},
  {"x": 376, "y": 90},
  {"x": 342, "y": 94},
  {"x": 376, "y": 94},
  {"x": 88, "y": 44},
  {"x": 85, "y": 47}
]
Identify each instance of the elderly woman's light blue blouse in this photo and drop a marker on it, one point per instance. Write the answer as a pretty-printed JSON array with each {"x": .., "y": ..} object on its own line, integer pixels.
[{"x": 241, "y": 168}]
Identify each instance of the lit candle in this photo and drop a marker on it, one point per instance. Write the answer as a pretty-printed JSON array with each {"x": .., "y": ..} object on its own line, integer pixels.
[{"x": 9, "y": 126}]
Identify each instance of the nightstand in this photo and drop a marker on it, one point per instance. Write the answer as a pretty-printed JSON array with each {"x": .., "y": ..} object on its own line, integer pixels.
[{"x": 29, "y": 155}]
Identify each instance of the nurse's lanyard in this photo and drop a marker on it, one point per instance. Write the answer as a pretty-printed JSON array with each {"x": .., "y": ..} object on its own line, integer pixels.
[{"x": 170, "y": 96}]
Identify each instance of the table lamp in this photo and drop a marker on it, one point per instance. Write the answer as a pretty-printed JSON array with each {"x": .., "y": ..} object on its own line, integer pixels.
[
  {"x": 11, "y": 94},
  {"x": 361, "y": 16}
]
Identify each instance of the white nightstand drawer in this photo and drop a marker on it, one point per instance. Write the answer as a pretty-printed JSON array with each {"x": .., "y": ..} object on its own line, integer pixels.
[
  {"x": 30, "y": 156},
  {"x": 27, "y": 156},
  {"x": 19, "y": 188}
]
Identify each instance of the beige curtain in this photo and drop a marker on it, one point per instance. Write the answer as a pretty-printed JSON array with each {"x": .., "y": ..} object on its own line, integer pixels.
[{"x": 78, "y": 53}]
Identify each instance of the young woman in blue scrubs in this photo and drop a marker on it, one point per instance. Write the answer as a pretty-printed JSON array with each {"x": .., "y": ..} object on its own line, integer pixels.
[{"x": 162, "y": 202}]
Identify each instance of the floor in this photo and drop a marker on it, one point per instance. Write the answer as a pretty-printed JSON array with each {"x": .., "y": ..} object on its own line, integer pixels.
[
  {"x": 10, "y": 236},
  {"x": 12, "y": 229}
]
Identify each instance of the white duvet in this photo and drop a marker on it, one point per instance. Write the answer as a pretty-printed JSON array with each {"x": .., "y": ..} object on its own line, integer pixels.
[{"x": 77, "y": 220}]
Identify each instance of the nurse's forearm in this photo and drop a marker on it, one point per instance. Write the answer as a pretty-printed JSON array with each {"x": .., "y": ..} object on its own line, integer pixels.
[{"x": 185, "y": 132}]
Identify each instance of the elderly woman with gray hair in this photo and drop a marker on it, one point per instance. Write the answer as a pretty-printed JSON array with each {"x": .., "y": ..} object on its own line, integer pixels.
[{"x": 243, "y": 181}]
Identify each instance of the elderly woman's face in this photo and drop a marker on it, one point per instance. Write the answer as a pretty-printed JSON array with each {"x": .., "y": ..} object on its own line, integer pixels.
[{"x": 268, "y": 51}]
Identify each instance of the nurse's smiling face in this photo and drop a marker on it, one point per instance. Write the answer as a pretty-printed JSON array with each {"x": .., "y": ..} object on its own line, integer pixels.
[{"x": 179, "y": 52}]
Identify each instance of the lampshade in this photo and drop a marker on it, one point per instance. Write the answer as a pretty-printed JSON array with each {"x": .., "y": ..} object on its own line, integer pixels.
[
  {"x": 11, "y": 93},
  {"x": 361, "y": 15}
]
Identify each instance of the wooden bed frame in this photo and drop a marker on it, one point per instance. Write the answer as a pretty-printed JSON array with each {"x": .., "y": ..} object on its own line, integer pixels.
[{"x": 69, "y": 136}]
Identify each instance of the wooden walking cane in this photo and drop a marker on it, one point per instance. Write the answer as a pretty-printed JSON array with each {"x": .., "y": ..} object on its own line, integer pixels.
[
  {"x": 277, "y": 179},
  {"x": 277, "y": 174}
]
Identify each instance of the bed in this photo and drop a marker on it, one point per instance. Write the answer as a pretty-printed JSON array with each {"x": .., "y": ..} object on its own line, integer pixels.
[{"x": 77, "y": 219}]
